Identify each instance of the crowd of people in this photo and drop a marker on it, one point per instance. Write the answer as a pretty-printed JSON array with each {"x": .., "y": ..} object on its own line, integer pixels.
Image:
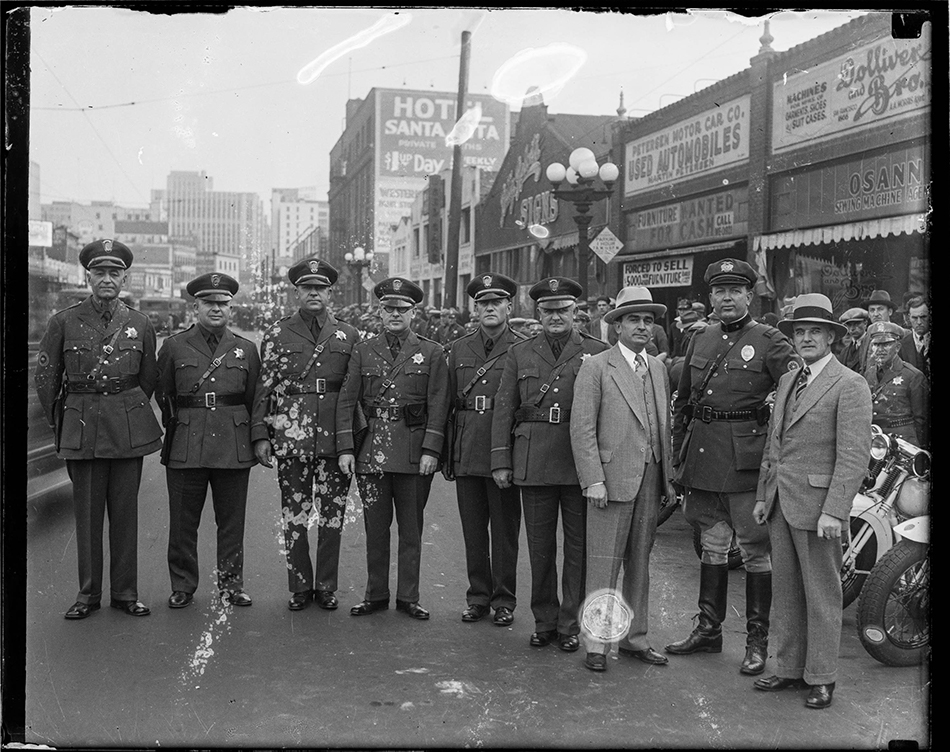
[{"x": 763, "y": 426}]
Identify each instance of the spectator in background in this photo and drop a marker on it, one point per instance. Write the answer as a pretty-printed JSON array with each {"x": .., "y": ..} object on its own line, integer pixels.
[
  {"x": 582, "y": 321},
  {"x": 769, "y": 319},
  {"x": 899, "y": 391},
  {"x": 856, "y": 320},
  {"x": 449, "y": 330},
  {"x": 599, "y": 327},
  {"x": 915, "y": 347},
  {"x": 519, "y": 325},
  {"x": 678, "y": 329}
]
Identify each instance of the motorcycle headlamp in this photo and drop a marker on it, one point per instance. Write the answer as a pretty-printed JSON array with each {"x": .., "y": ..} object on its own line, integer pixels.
[{"x": 880, "y": 444}]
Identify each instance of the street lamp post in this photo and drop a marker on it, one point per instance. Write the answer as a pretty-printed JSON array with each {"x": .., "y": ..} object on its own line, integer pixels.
[
  {"x": 357, "y": 261},
  {"x": 580, "y": 174}
]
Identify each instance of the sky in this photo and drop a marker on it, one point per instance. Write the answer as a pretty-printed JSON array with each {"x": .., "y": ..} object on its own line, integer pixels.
[{"x": 120, "y": 98}]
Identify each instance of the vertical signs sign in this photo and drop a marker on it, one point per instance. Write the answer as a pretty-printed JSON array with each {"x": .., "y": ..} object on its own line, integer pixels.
[{"x": 886, "y": 80}]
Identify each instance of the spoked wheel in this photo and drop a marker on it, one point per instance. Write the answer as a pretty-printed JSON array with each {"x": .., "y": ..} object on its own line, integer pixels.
[
  {"x": 858, "y": 558},
  {"x": 893, "y": 617},
  {"x": 735, "y": 555}
]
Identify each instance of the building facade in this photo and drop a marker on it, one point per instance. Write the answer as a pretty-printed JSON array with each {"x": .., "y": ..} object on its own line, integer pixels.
[{"x": 299, "y": 223}]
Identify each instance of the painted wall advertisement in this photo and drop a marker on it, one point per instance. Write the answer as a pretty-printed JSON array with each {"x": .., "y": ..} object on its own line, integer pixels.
[
  {"x": 394, "y": 198},
  {"x": 676, "y": 271},
  {"x": 883, "y": 81},
  {"x": 708, "y": 142},
  {"x": 718, "y": 215},
  {"x": 880, "y": 185}
]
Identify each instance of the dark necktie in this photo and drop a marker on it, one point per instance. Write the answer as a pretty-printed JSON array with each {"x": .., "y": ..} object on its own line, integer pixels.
[
  {"x": 315, "y": 328},
  {"x": 556, "y": 348},
  {"x": 880, "y": 375},
  {"x": 394, "y": 344},
  {"x": 802, "y": 382},
  {"x": 489, "y": 344},
  {"x": 212, "y": 342},
  {"x": 106, "y": 317}
]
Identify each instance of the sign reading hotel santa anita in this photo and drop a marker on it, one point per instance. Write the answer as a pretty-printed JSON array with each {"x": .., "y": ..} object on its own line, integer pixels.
[
  {"x": 886, "y": 80},
  {"x": 705, "y": 143}
]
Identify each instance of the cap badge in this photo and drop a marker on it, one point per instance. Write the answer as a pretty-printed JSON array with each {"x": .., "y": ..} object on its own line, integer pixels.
[
  {"x": 215, "y": 280},
  {"x": 107, "y": 246},
  {"x": 747, "y": 353},
  {"x": 487, "y": 280},
  {"x": 727, "y": 267},
  {"x": 314, "y": 267},
  {"x": 553, "y": 284},
  {"x": 397, "y": 284}
]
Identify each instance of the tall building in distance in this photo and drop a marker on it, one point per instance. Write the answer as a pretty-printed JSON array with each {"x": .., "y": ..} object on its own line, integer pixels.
[
  {"x": 295, "y": 215},
  {"x": 230, "y": 228},
  {"x": 393, "y": 140}
]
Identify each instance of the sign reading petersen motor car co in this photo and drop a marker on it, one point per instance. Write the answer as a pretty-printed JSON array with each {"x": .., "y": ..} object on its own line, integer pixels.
[
  {"x": 886, "y": 80},
  {"x": 710, "y": 141}
]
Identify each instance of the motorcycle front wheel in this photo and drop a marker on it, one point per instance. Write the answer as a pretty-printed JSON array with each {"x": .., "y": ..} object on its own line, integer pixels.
[
  {"x": 858, "y": 558},
  {"x": 893, "y": 617}
]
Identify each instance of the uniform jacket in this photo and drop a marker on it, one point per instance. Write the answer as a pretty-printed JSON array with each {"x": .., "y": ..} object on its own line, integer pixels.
[
  {"x": 392, "y": 446},
  {"x": 447, "y": 334},
  {"x": 469, "y": 431},
  {"x": 538, "y": 453},
  {"x": 100, "y": 426},
  {"x": 609, "y": 431},
  {"x": 219, "y": 438},
  {"x": 817, "y": 461},
  {"x": 724, "y": 456},
  {"x": 901, "y": 393},
  {"x": 288, "y": 409}
]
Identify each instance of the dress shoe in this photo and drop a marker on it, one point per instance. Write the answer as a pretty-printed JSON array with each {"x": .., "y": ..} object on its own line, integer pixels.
[
  {"x": 778, "y": 683},
  {"x": 132, "y": 608},
  {"x": 540, "y": 639},
  {"x": 326, "y": 600},
  {"x": 412, "y": 609},
  {"x": 503, "y": 617},
  {"x": 649, "y": 655},
  {"x": 299, "y": 601},
  {"x": 368, "y": 607},
  {"x": 180, "y": 599},
  {"x": 474, "y": 612},
  {"x": 820, "y": 696},
  {"x": 596, "y": 661},
  {"x": 703, "y": 639},
  {"x": 81, "y": 610},
  {"x": 569, "y": 643},
  {"x": 756, "y": 654},
  {"x": 236, "y": 597}
]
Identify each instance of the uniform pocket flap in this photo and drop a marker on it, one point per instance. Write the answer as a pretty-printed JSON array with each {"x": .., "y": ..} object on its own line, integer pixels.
[
  {"x": 698, "y": 361},
  {"x": 187, "y": 361},
  {"x": 465, "y": 362},
  {"x": 526, "y": 372},
  {"x": 294, "y": 347},
  {"x": 77, "y": 344},
  {"x": 737, "y": 364},
  {"x": 819, "y": 481},
  {"x": 240, "y": 418},
  {"x": 130, "y": 344}
]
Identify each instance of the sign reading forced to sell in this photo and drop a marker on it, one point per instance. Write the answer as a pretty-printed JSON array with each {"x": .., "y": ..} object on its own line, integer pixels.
[
  {"x": 705, "y": 143},
  {"x": 676, "y": 271}
]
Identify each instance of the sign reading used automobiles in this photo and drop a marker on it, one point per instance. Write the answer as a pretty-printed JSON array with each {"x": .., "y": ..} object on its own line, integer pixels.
[
  {"x": 886, "y": 80},
  {"x": 708, "y": 142}
]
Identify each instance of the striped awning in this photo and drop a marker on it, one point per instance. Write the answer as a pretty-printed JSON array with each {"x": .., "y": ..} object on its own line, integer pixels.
[{"x": 868, "y": 228}]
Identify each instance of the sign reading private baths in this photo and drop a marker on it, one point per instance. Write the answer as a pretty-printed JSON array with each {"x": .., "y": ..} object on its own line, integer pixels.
[
  {"x": 676, "y": 271},
  {"x": 719, "y": 215},
  {"x": 538, "y": 209},
  {"x": 886, "y": 80},
  {"x": 708, "y": 142}
]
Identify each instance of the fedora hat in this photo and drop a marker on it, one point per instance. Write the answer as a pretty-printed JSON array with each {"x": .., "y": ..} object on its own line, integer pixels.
[
  {"x": 880, "y": 297},
  {"x": 811, "y": 307},
  {"x": 634, "y": 300}
]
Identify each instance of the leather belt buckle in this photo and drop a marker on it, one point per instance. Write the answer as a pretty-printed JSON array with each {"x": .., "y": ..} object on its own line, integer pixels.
[
  {"x": 554, "y": 415},
  {"x": 113, "y": 387},
  {"x": 321, "y": 386},
  {"x": 107, "y": 349},
  {"x": 211, "y": 400},
  {"x": 480, "y": 403},
  {"x": 393, "y": 411},
  {"x": 705, "y": 414}
]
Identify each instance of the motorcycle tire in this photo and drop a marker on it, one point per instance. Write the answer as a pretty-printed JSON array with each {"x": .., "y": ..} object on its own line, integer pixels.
[
  {"x": 735, "y": 555},
  {"x": 893, "y": 617},
  {"x": 854, "y": 575}
]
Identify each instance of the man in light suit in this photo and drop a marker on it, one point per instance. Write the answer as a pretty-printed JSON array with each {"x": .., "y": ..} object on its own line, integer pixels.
[
  {"x": 816, "y": 457},
  {"x": 620, "y": 437}
]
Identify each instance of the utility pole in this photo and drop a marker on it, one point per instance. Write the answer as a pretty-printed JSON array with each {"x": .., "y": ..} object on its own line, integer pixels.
[{"x": 455, "y": 200}]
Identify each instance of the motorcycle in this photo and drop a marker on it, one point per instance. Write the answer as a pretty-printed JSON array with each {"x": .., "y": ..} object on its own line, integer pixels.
[
  {"x": 893, "y": 611},
  {"x": 896, "y": 485}
]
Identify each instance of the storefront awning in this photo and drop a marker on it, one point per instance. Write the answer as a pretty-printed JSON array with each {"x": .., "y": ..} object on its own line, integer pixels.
[
  {"x": 569, "y": 239},
  {"x": 629, "y": 254},
  {"x": 869, "y": 228}
]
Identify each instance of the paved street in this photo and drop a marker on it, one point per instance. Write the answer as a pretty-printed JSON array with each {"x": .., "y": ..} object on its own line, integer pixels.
[{"x": 265, "y": 676}]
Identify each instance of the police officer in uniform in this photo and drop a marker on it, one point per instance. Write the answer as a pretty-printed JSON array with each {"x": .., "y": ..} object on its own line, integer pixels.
[
  {"x": 899, "y": 392},
  {"x": 303, "y": 362},
  {"x": 95, "y": 375},
  {"x": 531, "y": 447},
  {"x": 719, "y": 432},
  {"x": 206, "y": 380},
  {"x": 476, "y": 362},
  {"x": 401, "y": 381}
]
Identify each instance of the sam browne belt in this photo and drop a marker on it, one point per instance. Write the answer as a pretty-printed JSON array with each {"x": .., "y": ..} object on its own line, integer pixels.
[
  {"x": 706, "y": 414},
  {"x": 542, "y": 415},
  {"x": 210, "y": 400},
  {"x": 103, "y": 386},
  {"x": 480, "y": 403}
]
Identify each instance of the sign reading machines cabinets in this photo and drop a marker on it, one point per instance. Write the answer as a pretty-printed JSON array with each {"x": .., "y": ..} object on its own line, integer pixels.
[
  {"x": 708, "y": 142},
  {"x": 676, "y": 271},
  {"x": 886, "y": 80}
]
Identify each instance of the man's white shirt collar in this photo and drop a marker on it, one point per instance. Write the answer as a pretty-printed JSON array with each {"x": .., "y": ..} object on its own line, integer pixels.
[{"x": 630, "y": 356}]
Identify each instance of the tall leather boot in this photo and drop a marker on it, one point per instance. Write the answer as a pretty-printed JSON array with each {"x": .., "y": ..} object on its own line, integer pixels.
[
  {"x": 758, "y": 603},
  {"x": 707, "y": 636}
]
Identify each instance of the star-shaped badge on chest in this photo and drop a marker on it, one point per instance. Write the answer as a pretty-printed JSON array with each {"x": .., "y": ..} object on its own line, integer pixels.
[
  {"x": 898, "y": 381},
  {"x": 340, "y": 334},
  {"x": 131, "y": 333},
  {"x": 418, "y": 358},
  {"x": 238, "y": 353}
]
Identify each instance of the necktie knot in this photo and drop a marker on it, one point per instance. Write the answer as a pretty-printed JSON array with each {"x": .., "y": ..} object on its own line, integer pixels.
[
  {"x": 802, "y": 382},
  {"x": 489, "y": 344},
  {"x": 394, "y": 344}
]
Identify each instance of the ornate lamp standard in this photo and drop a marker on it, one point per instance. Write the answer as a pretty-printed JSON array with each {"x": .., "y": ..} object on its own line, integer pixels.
[
  {"x": 357, "y": 260},
  {"x": 580, "y": 175}
]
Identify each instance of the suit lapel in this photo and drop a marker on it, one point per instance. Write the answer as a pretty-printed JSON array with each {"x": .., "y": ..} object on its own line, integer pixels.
[
  {"x": 381, "y": 347},
  {"x": 573, "y": 346},
  {"x": 815, "y": 391},
  {"x": 625, "y": 379},
  {"x": 196, "y": 341}
]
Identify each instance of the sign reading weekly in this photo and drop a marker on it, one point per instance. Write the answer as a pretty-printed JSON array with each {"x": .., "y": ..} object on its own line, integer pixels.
[
  {"x": 886, "y": 80},
  {"x": 710, "y": 141}
]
